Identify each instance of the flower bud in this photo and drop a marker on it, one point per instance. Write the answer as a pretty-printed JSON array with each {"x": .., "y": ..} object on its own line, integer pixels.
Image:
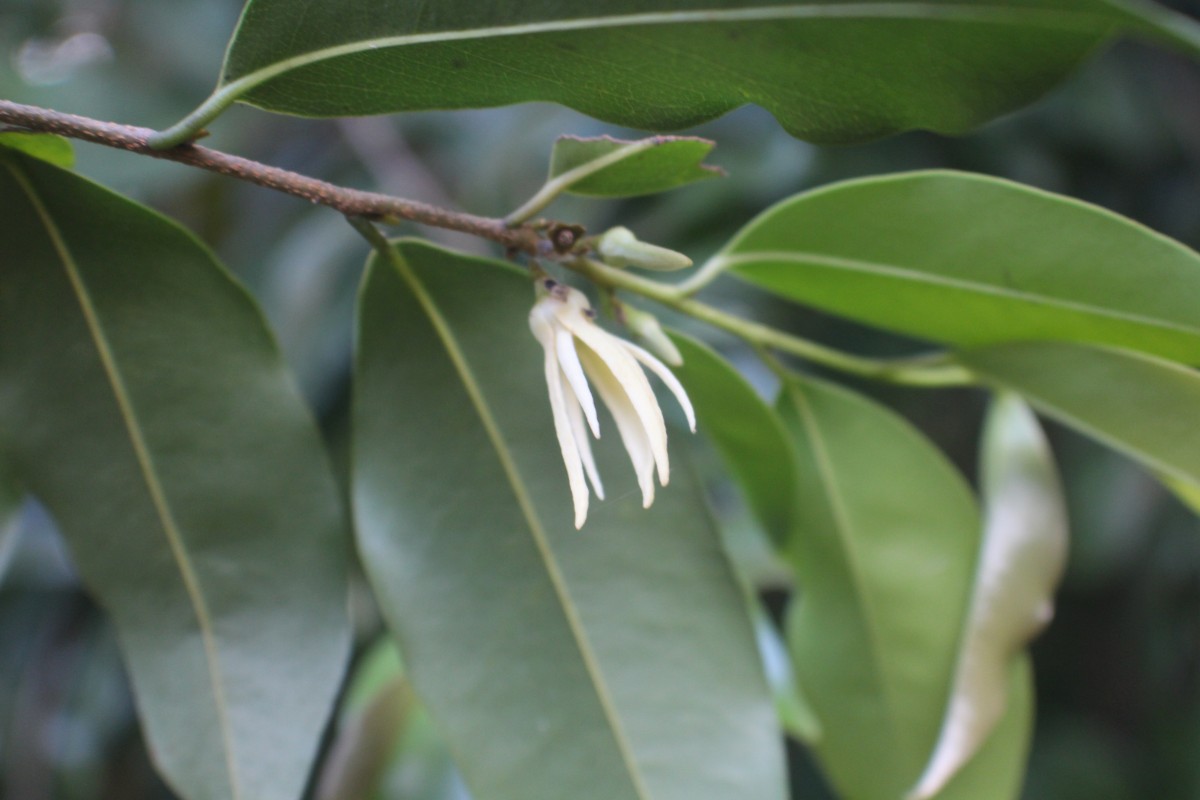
[
  {"x": 647, "y": 328},
  {"x": 620, "y": 248}
]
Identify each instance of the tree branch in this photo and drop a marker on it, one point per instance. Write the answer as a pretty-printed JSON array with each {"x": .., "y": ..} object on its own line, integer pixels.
[{"x": 351, "y": 202}]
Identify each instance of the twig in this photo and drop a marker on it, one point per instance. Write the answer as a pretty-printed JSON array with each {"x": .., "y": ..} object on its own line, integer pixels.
[
  {"x": 937, "y": 369},
  {"x": 351, "y": 202}
]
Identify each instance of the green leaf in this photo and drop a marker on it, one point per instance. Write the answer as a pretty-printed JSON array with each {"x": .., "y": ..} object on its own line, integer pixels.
[
  {"x": 973, "y": 260},
  {"x": 829, "y": 71},
  {"x": 1021, "y": 561},
  {"x": 885, "y": 551},
  {"x": 144, "y": 402},
  {"x": 614, "y": 662},
  {"x": 651, "y": 166},
  {"x": 1158, "y": 23},
  {"x": 1187, "y": 492},
  {"x": 748, "y": 434},
  {"x": 48, "y": 147},
  {"x": 1142, "y": 406},
  {"x": 795, "y": 711}
]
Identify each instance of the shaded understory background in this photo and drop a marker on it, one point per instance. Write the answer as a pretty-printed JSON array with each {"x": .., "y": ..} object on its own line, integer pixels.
[{"x": 1118, "y": 672}]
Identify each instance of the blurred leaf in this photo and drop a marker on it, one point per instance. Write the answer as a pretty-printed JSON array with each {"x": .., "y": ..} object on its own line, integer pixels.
[
  {"x": 997, "y": 771},
  {"x": 828, "y": 71},
  {"x": 1160, "y": 23},
  {"x": 11, "y": 496},
  {"x": 1021, "y": 561},
  {"x": 143, "y": 400},
  {"x": 616, "y": 662},
  {"x": 1142, "y": 406},
  {"x": 654, "y": 165},
  {"x": 795, "y": 712},
  {"x": 885, "y": 549},
  {"x": 46, "y": 146},
  {"x": 973, "y": 260},
  {"x": 1187, "y": 492},
  {"x": 748, "y": 433},
  {"x": 365, "y": 744}
]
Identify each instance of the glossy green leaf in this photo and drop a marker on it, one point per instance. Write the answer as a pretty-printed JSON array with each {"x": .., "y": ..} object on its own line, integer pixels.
[
  {"x": 1021, "y": 560},
  {"x": 609, "y": 663},
  {"x": 647, "y": 166},
  {"x": 47, "y": 147},
  {"x": 748, "y": 434},
  {"x": 973, "y": 260},
  {"x": 144, "y": 402},
  {"x": 829, "y": 71},
  {"x": 885, "y": 551},
  {"x": 1142, "y": 406}
]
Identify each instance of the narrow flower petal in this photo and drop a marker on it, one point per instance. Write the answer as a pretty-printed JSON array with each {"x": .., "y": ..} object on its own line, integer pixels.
[
  {"x": 543, "y": 331},
  {"x": 629, "y": 423},
  {"x": 568, "y": 359},
  {"x": 575, "y": 413},
  {"x": 665, "y": 375},
  {"x": 636, "y": 387}
]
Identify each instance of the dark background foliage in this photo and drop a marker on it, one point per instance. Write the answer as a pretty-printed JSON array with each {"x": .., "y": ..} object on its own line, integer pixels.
[{"x": 1119, "y": 700}]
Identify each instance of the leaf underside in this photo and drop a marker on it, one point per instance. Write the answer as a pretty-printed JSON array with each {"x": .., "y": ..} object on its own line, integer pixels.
[
  {"x": 557, "y": 662},
  {"x": 885, "y": 549},
  {"x": 972, "y": 260},
  {"x": 144, "y": 402}
]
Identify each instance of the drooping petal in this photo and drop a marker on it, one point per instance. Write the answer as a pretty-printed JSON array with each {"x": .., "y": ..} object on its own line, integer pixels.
[
  {"x": 629, "y": 377},
  {"x": 665, "y": 375},
  {"x": 568, "y": 360},
  {"x": 575, "y": 413},
  {"x": 629, "y": 423},
  {"x": 543, "y": 331}
]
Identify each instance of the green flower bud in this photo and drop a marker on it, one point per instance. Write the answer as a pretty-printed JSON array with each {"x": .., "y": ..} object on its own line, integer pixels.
[
  {"x": 646, "y": 327},
  {"x": 620, "y": 248}
]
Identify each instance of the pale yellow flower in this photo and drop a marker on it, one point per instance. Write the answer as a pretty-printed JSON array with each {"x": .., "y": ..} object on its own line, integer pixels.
[{"x": 578, "y": 351}]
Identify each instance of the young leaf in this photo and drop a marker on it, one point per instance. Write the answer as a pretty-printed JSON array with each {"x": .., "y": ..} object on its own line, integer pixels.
[
  {"x": 1142, "y": 406},
  {"x": 143, "y": 401},
  {"x": 616, "y": 662},
  {"x": 46, "y": 146},
  {"x": 997, "y": 771},
  {"x": 828, "y": 71},
  {"x": 614, "y": 168},
  {"x": 746, "y": 431},
  {"x": 885, "y": 549},
  {"x": 1020, "y": 563},
  {"x": 973, "y": 260}
]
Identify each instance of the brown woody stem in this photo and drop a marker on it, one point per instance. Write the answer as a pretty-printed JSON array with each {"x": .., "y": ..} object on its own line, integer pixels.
[{"x": 351, "y": 202}]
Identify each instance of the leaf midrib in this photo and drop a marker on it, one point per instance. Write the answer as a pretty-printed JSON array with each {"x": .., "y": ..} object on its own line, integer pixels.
[
  {"x": 158, "y": 497},
  {"x": 524, "y": 501},
  {"x": 1054, "y": 409},
  {"x": 842, "y": 522},
  {"x": 823, "y": 260},
  {"x": 1047, "y": 18}
]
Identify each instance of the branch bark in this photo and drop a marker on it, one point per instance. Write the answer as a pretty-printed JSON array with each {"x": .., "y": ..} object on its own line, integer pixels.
[{"x": 351, "y": 202}]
